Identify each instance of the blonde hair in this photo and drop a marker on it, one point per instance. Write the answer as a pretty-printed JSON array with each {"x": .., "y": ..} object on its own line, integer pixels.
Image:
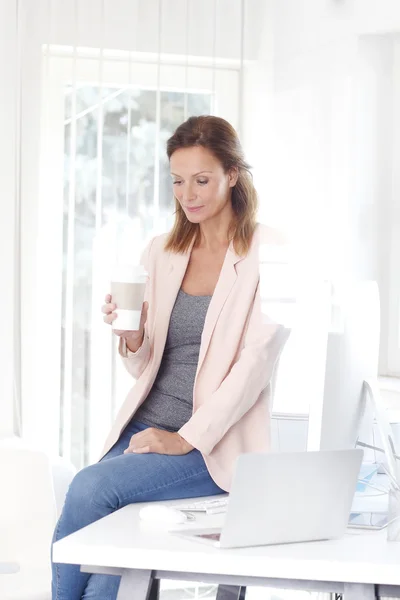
[{"x": 220, "y": 138}]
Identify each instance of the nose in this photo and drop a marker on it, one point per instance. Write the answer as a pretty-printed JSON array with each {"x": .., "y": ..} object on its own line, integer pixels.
[{"x": 188, "y": 193}]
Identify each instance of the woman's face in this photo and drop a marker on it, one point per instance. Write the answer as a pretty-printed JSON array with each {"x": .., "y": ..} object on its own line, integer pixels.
[{"x": 201, "y": 186}]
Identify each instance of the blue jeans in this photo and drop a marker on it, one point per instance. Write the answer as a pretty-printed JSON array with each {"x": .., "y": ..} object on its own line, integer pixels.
[{"x": 117, "y": 480}]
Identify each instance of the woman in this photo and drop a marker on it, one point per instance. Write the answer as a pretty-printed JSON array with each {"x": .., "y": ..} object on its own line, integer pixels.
[{"x": 203, "y": 357}]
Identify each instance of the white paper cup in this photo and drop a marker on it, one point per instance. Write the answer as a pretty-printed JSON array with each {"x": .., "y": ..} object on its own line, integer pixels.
[{"x": 128, "y": 283}]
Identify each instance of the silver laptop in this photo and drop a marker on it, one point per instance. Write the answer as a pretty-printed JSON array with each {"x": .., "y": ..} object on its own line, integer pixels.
[{"x": 286, "y": 497}]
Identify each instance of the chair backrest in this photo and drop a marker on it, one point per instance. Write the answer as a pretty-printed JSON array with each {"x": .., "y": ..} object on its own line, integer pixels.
[
  {"x": 63, "y": 472},
  {"x": 27, "y": 505}
]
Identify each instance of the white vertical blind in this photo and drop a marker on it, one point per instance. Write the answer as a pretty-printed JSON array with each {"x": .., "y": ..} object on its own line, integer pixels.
[
  {"x": 393, "y": 313},
  {"x": 117, "y": 78},
  {"x": 187, "y": 20},
  {"x": 158, "y": 113},
  {"x": 17, "y": 223},
  {"x": 9, "y": 152},
  {"x": 68, "y": 274}
]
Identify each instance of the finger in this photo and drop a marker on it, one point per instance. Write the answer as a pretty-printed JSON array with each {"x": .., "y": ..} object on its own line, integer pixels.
[
  {"x": 137, "y": 450},
  {"x": 142, "y": 439},
  {"x": 109, "y": 318},
  {"x": 144, "y": 450},
  {"x": 108, "y": 308},
  {"x": 108, "y": 298},
  {"x": 144, "y": 432},
  {"x": 141, "y": 436}
]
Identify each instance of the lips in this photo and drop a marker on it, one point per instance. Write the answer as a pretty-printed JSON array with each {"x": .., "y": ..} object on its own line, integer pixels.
[{"x": 193, "y": 208}]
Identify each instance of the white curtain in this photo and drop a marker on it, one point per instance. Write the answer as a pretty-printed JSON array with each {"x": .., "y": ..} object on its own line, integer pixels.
[
  {"x": 10, "y": 195},
  {"x": 97, "y": 88}
]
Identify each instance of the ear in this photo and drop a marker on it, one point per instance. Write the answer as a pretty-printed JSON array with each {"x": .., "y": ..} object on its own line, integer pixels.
[{"x": 233, "y": 176}]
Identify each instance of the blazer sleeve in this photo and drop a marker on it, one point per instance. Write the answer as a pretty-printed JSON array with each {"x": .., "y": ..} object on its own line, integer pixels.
[
  {"x": 242, "y": 387},
  {"x": 136, "y": 362}
]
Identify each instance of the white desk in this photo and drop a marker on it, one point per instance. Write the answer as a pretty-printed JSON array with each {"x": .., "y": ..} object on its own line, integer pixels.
[{"x": 362, "y": 565}]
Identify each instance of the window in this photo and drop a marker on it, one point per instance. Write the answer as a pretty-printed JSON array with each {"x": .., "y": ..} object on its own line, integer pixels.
[
  {"x": 105, "y": 123},
  {"x": 393, "y": 293}
]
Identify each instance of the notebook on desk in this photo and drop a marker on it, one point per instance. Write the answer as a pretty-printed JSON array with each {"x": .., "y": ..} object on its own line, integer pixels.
[{"x": 284, "y": 498}]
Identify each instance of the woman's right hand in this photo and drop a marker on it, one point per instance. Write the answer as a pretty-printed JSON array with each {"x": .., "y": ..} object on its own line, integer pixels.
[{"x": 134, "y": 339}]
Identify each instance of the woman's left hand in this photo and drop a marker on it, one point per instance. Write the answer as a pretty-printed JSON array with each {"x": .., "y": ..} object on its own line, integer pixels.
[{"x": 158, "y": 441}]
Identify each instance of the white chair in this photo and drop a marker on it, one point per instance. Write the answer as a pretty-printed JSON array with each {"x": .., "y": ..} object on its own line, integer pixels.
[
  {"x": 62, "y": 474},
  {"x": 28, "y": 512}
]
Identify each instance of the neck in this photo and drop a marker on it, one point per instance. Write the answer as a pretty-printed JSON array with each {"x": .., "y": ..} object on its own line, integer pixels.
[{"x": 214, "y": 234}]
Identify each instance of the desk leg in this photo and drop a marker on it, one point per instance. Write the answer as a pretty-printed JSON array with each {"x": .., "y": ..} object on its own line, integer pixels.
[
  {"x": 359, "y": 591},
  {"x": 231, "y": 592},
  {"x": 155, "y": 590},
  {"x": 137, "y": 585}
]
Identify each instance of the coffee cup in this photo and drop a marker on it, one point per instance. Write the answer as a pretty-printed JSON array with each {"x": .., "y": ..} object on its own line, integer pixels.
[{"x": 128, "y": 283}]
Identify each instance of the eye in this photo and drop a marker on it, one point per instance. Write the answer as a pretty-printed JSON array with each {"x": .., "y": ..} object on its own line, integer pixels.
[
  {"x": 176, "y": 182},
  {"x": 202, "y": 181}
]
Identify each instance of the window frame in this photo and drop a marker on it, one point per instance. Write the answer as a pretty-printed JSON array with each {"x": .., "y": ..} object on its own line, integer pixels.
[{"x": 62, "y": 65}]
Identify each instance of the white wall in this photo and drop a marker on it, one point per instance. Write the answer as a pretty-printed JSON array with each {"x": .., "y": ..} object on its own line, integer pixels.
[
  {"x": 325, "y": 156},
  {"x": 304, "y": 26}
]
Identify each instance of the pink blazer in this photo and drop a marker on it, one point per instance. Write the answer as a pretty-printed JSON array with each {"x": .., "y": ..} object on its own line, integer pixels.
[{"x": 238, "y": 353}]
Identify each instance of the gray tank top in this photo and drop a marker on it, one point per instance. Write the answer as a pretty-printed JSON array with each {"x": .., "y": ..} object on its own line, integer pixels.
[{"x": 169, "y": 404}]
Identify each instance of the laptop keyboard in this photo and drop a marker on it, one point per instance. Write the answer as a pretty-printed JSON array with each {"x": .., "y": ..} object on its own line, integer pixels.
[{"x": 210, "y": 507}]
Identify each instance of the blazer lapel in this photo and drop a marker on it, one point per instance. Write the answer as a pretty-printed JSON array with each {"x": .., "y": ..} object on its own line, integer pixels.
[
  {"x": 222, "y": 290},
  {"x": 174, "y": 273}
]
